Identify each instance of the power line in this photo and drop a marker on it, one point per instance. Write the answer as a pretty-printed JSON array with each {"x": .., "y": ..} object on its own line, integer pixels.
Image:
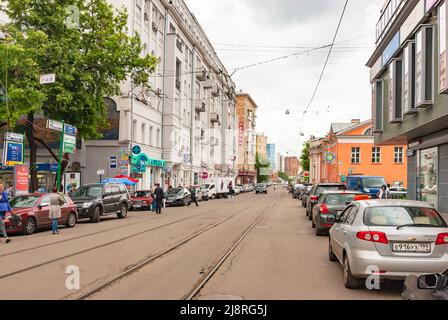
[{"x": 325, "y": 66}]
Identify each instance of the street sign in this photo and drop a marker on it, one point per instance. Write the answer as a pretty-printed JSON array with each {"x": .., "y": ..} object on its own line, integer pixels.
[
  {"x": 15, "y": 137},
  {"x": 136, "y": 150},
  {"x": 70, "y": 130},
  {"x": 113, "y": 162},
  {"x": 69, "y": 144},
  {"x": 13, "y": 149},
  {"x": 47, "y": 78},
  {"x": 55, "y": 125}
]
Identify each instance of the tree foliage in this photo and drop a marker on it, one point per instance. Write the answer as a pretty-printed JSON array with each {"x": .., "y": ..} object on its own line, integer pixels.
[
  {"x": 305, "y": 157},
  {"x": 262, "y": 165}
]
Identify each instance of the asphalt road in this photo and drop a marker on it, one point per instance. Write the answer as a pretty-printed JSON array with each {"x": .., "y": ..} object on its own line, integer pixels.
[{"x": 279, "y": 259}]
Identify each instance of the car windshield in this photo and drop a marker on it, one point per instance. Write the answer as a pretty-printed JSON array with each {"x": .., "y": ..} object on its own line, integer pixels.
[
  {"x": 175, "y": 191},
  {"x": 206, "y": 186},
  {"x": 321, "y": 189},
  {"x": 401, "y": 216},
  {"x": 374, "y": 182},
  {"x": 141, "y": 194},
  {"x": 339, "y": 199},
  {"x": 89, "y": 191},
  {"x": 24, "y": 202}
]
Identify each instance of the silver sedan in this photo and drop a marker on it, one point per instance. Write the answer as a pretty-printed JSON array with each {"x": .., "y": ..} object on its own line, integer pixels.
[{"x": 391, "y": 238}]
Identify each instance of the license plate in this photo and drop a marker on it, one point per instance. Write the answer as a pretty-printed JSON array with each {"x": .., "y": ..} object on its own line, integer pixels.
[
  {"x": 137, "y": 206},
  {"x": 412, "y": 247}
]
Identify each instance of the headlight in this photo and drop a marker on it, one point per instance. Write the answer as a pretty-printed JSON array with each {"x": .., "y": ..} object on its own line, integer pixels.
[
  {"x": 366, "y": 190},
  {"x": 87, "y": 205}
]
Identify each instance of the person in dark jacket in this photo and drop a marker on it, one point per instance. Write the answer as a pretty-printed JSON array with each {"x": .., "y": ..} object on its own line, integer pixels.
[
  {"x": 159, "y": 196},
  {"x": 194, "y": 198},
  {"x": 4, "y": 208}
]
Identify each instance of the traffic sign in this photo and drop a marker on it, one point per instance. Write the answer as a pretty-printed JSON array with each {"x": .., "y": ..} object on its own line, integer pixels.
[
  {"x": 70, "y": 130},
  {"x": 55, "y": 125},
  {"x": 136, "y": 150}
]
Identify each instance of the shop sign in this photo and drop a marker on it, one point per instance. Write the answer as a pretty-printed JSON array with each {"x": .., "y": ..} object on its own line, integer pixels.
[
  {"x": 21, "y": 179},
  {"x": 241, "y": 134},
  {"x": 113, "y": 162},
  {"x": 72, "y": 179},
  {"x": 156, "y": 163},
  {"x": 70, "y": 130},
  {"x": 13, "y": 149},
  {"x": 69, "y": 144},
  {"x": 55, "y": 125}
]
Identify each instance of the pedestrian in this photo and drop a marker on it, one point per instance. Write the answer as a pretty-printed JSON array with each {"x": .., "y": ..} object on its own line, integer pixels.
[
  {"x": 160, "y": 196},
  {"x": 10, "y": 191},
  {"x": 383, "y": 193},
  {"x": 194, "y": 197},
  {"x": 4, "y": 208},
  {"x": 231, "y": 193},
  {"x": 55, "y": 210}
]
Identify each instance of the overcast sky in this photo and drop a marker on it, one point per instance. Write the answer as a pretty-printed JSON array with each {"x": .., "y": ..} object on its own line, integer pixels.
[{"x": 250, "y": 31}]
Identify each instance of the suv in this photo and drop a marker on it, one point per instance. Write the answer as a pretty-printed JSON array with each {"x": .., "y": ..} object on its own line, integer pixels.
[
  {"x": 94, "y": 201},
  {"x": 315, "y": 193},
  {"x": 261, "y": 188}
]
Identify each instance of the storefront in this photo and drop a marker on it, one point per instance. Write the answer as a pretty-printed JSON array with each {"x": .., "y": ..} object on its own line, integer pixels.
[
  {"x": 428, "y": 170},
  {"x": 246, "y": 177},
  {"x": 46, "y": 175}
]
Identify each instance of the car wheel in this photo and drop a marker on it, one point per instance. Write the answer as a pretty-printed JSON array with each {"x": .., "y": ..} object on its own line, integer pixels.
[
  {"x": 123, "y": 213},
  {"x": 96, "y": 215},
  {"x": 71, "y": 220},
  {"x": 213, "y": 196},
  {"x": 30, "y": 226},
  {"x": 350, "y": 282},
  {"x": 331, "y": 256}
]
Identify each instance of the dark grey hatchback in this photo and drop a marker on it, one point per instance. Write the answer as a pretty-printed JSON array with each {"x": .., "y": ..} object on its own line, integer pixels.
[{"x": 329, "y": 205}]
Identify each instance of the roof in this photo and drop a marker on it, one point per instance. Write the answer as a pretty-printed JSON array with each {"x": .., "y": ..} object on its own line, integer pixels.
[
  {"x": 338, "y": 127},
  {"x": 389, "y": 203}
]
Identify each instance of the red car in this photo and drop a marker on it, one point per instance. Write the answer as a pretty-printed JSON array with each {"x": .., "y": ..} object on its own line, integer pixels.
[
  {"x": 142, "y": 200},
  {"x": 30, "y": 213}
]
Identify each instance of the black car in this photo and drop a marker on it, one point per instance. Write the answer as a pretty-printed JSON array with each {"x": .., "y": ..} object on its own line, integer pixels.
[
  {"x": 178, "y": 197},
  {"x": 315, "y": 193},
  {"x": 97, "y": 200}
]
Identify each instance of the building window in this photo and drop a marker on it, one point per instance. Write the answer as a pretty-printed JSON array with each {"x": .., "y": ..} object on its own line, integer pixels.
[
  {"x": 424, "y": 67},
  {"x": 356, "y": 155},
  {"x": 376, "y": 155},
  {"x": 398, "y": 155},
  {"x": 151, "y": 142},
  {"x": 158, "y": 142},
  {"x": 144, "y": 133},
  {"x": 178, "y": 74},
  {"x": 134, "y": 131},
  {"x": 443, "y": 54},
  {"x": 409, "y": 79},
  {"x": 395, "y": 91},
  {"x": 427, "y": 177},
  {"x": 377, "y": 105}
]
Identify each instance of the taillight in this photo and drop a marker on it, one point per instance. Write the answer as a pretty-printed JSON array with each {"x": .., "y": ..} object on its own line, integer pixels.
[
  {"x": 313, "y": 198},
  {"x": 373, "y": 236},
  {"x": 324, "y": 209},
  {"x": 442, "y": 239}
]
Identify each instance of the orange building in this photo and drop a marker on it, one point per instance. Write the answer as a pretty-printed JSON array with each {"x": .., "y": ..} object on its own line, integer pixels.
[{"x": 349, "y": 149}]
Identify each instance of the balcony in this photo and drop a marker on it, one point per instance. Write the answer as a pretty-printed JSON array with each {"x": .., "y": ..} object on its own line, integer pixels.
[
  {"x": 208, "y": 84},
  {"x": 200, "y": 105},
  {"x": 214, "y": 117},
  {"x": 201, "y": 74},
  {"x": 389, "y": 14}
]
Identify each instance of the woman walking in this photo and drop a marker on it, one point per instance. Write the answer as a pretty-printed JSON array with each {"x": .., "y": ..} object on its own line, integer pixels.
[
  {"x": 4, "y": 208},
  {"x": 55, "y": 210}
]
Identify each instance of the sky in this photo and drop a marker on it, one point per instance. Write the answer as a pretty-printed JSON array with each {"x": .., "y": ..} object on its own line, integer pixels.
[{"x": 245, "y": 32}]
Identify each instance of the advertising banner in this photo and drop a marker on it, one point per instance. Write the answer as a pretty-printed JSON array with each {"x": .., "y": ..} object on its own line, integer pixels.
[
  {"x": 69, "y": 144},
  {"x": 13, "y": 149},
  {"x": 72, "y": 180},
  {"x": 21, "y": 179}
]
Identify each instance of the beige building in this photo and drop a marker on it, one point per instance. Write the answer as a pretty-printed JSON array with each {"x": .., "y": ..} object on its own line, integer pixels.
[
  {"x": 262, "y": 142},
  {"x": 246, "y": 109}
]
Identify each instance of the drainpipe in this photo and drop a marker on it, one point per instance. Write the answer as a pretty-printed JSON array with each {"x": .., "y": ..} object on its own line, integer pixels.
[
  {"x": 163, "y": 83},
  {"x": 193, "y": 112}
]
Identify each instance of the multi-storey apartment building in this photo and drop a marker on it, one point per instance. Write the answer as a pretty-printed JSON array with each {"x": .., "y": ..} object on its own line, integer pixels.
[
  {"x": 185, "y": 122},
  {"x": 271, "y": 156},
  {"x": 246, "y": 115},
  {"x": 409, "y": 80},
  {"x": 262, "y": 142}
]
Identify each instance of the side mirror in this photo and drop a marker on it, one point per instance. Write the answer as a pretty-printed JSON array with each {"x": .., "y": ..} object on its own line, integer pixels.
[{"x": 428, "y": 282}]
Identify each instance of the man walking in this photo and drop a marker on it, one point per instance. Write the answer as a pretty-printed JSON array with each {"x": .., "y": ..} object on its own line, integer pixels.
[
  {"x": 231, "y": 192},
  {"x": 159, "y": 195},
  {"x": 194, "y": 197}
]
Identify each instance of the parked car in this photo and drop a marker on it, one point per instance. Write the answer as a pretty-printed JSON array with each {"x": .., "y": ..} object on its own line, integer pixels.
[
  {"x": 297, "y": 191},
  {"x": 399, "y": 237},
  {"x": 178, "y": 197},
  {"x": 304, "y": 196},
  {"x": 238, "y": 190},
  {"x": 315, "y": 193},
  {"x": 366, "y": 184},
  {"x": 31, "y": 213},
  {"x": 261, "y": 188},
  {"x": 208, "y": 191},
  {"x": 246, "y": 188},
  {"x": 329, "y": 205},
  {"x": 426, "y": 287},
  {"x": 98, "y": 200},
  {"x": 142, "y": 200}
]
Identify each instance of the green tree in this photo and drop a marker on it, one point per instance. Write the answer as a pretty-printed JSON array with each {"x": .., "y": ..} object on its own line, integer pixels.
[
  {"x": 284, "y": 177},
  {"x": 262, "y": 165},
  {"x": 86, "y": 44},
  {"x": 305, "y": 157}
]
